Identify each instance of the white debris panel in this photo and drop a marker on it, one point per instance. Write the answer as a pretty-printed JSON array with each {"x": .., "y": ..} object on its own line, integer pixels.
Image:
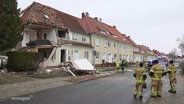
[{"x": 82, "y": 64}]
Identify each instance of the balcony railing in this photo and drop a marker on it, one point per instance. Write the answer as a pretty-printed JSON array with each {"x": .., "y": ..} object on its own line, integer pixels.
[{"x": 38, "y": 43}]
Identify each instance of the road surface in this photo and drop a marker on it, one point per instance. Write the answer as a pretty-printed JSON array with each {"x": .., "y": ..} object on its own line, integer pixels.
[{"x": 115, "y": 89}]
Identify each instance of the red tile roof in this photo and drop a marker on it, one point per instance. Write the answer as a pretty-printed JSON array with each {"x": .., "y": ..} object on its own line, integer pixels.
[
  {"x": 95, "y": 25},
  {"x": 124, "y": 39},
  {"x": 156, "y": 52},
  {"x": 144, "y": 48},
  {"x": 131, "y": 41}
]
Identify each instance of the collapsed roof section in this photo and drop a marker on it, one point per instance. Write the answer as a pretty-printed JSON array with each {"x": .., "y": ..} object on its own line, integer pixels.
[{"x": 39, "y": 14}]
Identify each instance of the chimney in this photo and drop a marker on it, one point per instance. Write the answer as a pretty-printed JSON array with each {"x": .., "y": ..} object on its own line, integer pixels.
[
  {"x": 87, "y": 14},
  {"x": 114, "y": 27},
  {"x": 100, "y": 19},
  {"x": 83, "y": 15},
  {"x": 96, "y": 18}
]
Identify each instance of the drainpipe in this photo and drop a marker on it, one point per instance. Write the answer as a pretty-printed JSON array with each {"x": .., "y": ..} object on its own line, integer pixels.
[
  {"x": 93, "y": 54},
  {"x": 93, "y": 50},
  {"x": 118, "y": 52}
]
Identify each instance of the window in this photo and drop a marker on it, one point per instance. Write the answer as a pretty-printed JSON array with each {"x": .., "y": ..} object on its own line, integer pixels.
[
  {"x": 86, "y": 54},
  {"x": 107, "y": 32},
  {"x": 103, "y": 32},
  {"x": 110, "y": 57},
  {"x": 120, "y": 46},
  {"x": 72, "y": 52},
  {"x": 97, "y": 42},
  {"x": 126, "y": 47},
  {"x": 105, "y": 43},
  {"x": 120, "y": 56},
  {"x": 74, "y": 36},
  {"x": 124, "y": 39},
  {"x": 83, "y": 39},
  {"x": 104, "y": 56},
  {"x": 76, "y": 54},
  {"x": 109, "y": 44},
  {"x": 69, "y": 55},
  {"x": 45, "y": 36},
  {"x": 45, "y": 54},
  {"x": 114, "y": 44},
  {"x": 97, "y": 55},
  {"x": 115, "y": 56},
  {"x": 62, "y": 34}
]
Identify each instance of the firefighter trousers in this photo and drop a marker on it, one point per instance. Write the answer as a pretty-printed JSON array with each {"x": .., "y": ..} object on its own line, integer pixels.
[
  {"x": 156, "y": 89},
  {"x": 138, "y": 89},
  {"x": 172, "y": 85}
]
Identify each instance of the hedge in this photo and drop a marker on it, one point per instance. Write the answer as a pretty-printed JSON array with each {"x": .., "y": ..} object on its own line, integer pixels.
[{"x": 22, "y": 61}]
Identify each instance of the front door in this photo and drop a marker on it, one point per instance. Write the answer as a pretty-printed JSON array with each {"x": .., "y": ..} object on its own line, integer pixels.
[{"x": 63, "y": 56}]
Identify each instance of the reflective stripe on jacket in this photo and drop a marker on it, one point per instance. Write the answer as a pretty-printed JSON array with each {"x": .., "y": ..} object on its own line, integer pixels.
[
  {"x": 158, "y": 70},
  {"x": 139, "y": 72},
  {"x": 172, "y": 70},
  {"x": 117, "y": 64}
]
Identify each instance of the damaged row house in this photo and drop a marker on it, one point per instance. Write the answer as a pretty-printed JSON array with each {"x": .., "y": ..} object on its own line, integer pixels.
[{"x": 60, "y": 37}]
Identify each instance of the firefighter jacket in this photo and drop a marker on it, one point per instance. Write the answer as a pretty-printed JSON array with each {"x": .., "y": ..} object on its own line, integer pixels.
[
  {"x": 172, "y": 72},
  {"x": 157, "y": 72},
  {"x": 140, "y": 75},
  {"x": 117, "y": 64}
]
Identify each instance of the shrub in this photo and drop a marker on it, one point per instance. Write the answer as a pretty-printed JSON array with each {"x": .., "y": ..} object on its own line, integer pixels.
[
  {"x": 22, "y": 61},
  {"x": 182, "y": 68},
  {"x": 126, "y": 64}
]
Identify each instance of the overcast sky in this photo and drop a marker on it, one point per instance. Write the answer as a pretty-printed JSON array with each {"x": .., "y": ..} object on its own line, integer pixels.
[{"x": 154, "y": 23}]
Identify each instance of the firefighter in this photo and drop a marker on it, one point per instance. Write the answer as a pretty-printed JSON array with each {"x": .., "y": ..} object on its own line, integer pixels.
[
  {"x": 137, "y": 64},
  {"x": 172, "y": 76},
  {"x": 156, "y": 73},
  {"x": 140, "y": 76},
  {"x": 117, "y": 65},
  {"x": 122, "y": 65}
]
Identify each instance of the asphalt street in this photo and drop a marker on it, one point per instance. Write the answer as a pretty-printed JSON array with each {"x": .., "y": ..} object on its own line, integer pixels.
[{"x": 115, "y": 89}]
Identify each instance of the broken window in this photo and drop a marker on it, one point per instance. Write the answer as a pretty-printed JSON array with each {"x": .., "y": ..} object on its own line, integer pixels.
[{"x": 62, "y": 34}]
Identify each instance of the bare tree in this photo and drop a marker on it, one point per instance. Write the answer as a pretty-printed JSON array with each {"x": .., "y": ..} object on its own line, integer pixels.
[
  {"x": 173, "y": 53},
  {"x": 181, "y": 44}
]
